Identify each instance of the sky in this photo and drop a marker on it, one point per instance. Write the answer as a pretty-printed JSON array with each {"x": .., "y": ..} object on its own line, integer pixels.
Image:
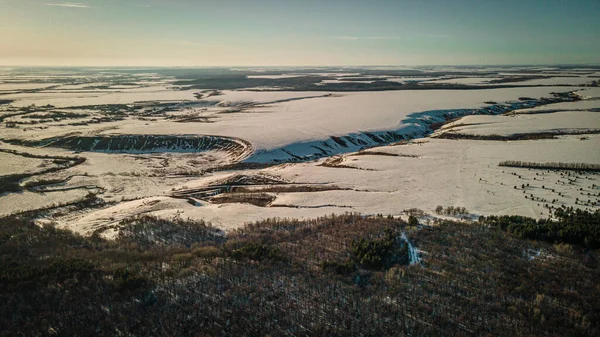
[{"x": 298, "y": 33}]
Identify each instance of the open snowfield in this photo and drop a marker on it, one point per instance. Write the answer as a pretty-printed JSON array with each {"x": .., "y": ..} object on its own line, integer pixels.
[
  {"x": 24, "y": 86},
  {"x": 128, "y": 96},
  {"x": 285, "y": 118},
  {"x": 143, "y": 144},
  {"x": 420, "y": 175},
  {"x": 568, "y": 121},
  {"x": 467, "y": 80},
  {"x": 13, "y": 164}
]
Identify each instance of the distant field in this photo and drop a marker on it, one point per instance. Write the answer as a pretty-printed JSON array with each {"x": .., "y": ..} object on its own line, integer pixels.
[{"x": 156, "y": 140}]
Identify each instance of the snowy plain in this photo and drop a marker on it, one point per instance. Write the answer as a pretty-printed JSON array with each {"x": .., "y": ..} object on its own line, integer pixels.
[{"x": 389, "y": 179}]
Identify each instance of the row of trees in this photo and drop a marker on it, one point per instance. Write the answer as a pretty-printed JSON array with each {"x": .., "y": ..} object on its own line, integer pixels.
[
  {"x": 552, "y": 166},
  {"x": 451, "y": 210}
]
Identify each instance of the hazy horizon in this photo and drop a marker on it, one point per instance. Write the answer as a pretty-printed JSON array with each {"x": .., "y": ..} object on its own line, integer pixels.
[
  {"x": 300, "y": 66},
  {"x": 186, "y": 33}
]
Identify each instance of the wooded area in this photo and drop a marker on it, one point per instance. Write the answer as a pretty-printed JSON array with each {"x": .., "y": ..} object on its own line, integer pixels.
[{"x": 337, "y": 275}]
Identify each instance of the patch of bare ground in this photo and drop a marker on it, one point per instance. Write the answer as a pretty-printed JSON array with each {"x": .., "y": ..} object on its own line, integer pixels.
[
  {"x": 226, "y": 185},
  {"x": 262, "y": 197},
  {"x": 257, "y": 199},
  {"x": 292, "y": 188},
  {"x": 336, "y": 162},
  {"x": 248, "y": 189}
]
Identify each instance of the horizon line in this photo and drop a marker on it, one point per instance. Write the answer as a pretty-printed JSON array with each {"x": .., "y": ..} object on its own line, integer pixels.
[{"x": 304, "y": 66}]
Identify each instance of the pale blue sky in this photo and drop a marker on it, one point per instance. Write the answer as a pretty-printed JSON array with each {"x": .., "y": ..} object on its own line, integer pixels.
[{"x": 307, "y": 32}]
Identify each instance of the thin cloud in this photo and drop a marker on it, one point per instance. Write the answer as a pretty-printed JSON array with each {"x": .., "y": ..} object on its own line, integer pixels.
[{"x": 70, "y": 5}]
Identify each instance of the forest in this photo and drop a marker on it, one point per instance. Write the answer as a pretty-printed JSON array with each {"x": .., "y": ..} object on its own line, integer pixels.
[
  {"x": 572, "y": 226},
  {"x": 336, "y": 275}
]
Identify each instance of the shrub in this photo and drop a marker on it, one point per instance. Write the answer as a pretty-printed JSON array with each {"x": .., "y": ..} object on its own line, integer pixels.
[{"x": 412, "y": 221}]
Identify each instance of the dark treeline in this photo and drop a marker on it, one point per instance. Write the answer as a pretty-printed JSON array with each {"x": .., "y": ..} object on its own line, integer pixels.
[
  {"x": 57, "y": 115},
  {"x": 551, "y": 166},
  {"x": 512, "y": 79},
  {"x": 337, "y": 275},
  {"x": 516, "y": 136},
  {"x": 573, "y": 226}
]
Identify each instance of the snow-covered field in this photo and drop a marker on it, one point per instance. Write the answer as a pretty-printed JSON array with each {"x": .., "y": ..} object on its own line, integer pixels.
[
  {"x": 127, "y": 96},
  {"x": 567, "y": 121},
  {"x": 319, "y": 116},
  {"x": 466, "y": 80},
  {"x": 423, "y": 175},
  {"x": 314, "y": 136},
  {"x": 14, "y": 164}
]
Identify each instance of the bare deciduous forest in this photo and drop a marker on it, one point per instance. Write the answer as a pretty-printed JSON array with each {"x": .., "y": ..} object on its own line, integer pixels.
[{"x": 337, "y": 275}]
